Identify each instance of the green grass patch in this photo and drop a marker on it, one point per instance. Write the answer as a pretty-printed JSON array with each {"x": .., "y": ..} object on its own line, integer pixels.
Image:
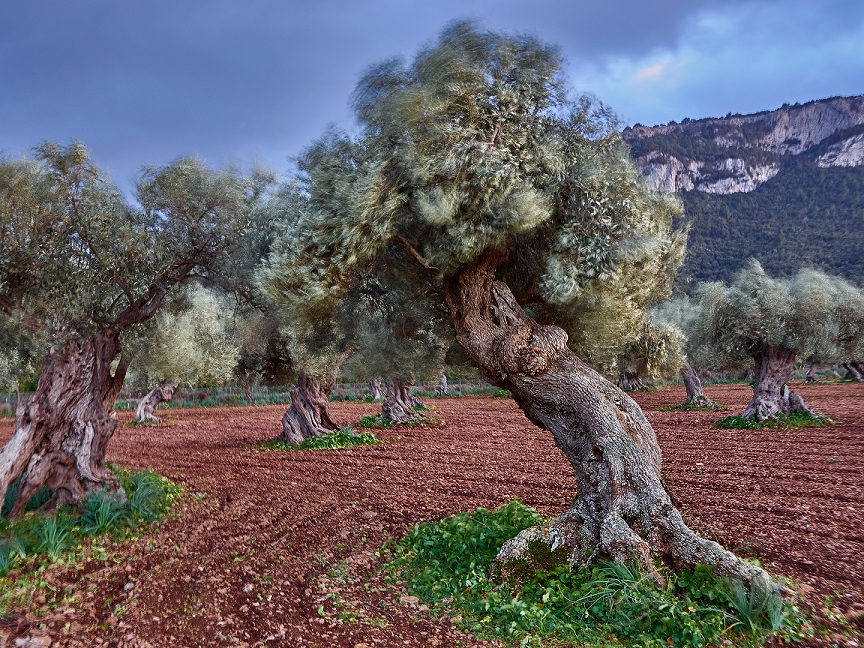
[
  {"x": 501, "y": 393},
  {"x": 344, "y": 438},
  {"x": 378, "y": 421},
  {"x": 794, "y": 420},
  {"x": 689, "y": 408},
  {"x": 36, "y": 540},
  {"x": 446, "y": 564}
]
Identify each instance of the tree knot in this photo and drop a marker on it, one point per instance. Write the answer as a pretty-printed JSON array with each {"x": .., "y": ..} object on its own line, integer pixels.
[{"x": 529, "y": 349}]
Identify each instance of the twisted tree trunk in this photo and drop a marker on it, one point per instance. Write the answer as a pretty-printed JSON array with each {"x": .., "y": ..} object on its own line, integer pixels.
[
  {"x": 852, "y": 371},
  {"x": 309, "y": 413},
  {"x": 375, "y": 390},
  {"x": 622, "y": 510},
  {"x": 247, "y": 389},
  {"x": 441, "y": 389},
  {"x": 62, "y": 430},
  {"x": 693, "y": 384},
  {"x": 630, "y": 381},
  {"x": 771, "y": 396},
  {"x": 811, "y": 378},
  {"x": 146, "y": 410},
  {"x": 399, "y": 403}
]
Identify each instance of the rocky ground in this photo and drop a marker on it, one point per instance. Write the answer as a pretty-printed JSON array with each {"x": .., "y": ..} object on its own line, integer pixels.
[{"x": 275, "y": 548}]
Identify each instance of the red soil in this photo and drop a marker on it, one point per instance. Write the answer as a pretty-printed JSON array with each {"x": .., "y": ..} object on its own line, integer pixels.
[{"x": 264, "y": 537}]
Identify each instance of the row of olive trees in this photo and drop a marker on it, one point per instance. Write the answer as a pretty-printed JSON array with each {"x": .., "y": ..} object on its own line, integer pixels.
[
  {"x": 756, "y": 322},
  {"x": 480, "y": 215}
]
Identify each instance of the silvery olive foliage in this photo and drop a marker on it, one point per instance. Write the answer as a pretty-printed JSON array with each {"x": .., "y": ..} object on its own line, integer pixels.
[
  {"x": 811, "y": 313},
  {"x": 76, "y": 257},
  {"x": 656, "y": 353},
  {"x": 477, "y": 144},
  {"x": 191, "y": 342}
]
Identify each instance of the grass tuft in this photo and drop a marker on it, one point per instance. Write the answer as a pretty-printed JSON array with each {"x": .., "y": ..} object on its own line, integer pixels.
[{"x": 378, "y": 421}]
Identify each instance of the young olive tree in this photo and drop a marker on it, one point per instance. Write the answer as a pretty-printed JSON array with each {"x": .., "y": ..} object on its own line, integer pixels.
[
  {"x": 473, "y": 169},
  {"x": 190, "y": 341},
  {"x": 770, "y": 323},
  {"x": 81, "y": 267},
  {"x": 655, "y": 353},
  {"x": 681, "y": 315}
]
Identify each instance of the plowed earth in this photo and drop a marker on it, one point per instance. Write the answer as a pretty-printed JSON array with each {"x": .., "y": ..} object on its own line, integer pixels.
[{"x": 271, "y": 548}]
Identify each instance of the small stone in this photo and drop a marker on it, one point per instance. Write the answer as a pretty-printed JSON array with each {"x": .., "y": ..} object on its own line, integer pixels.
[
  {"x": 248, "y": 587},
  {"x": 128, "y": 587},
  {"x": 410, "y": 600}
]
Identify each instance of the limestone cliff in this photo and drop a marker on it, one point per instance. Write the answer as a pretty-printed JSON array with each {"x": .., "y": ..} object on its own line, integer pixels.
[{"x": 738, "y": 153}]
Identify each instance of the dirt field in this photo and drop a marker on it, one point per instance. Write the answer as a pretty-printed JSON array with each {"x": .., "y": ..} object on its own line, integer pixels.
[{"x": 263, "y": 538}]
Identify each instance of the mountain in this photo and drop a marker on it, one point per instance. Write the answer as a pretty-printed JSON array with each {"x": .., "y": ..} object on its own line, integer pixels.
[{"x": 784, "y": 186}]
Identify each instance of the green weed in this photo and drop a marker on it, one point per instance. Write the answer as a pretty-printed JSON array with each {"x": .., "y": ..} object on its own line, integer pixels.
[
  {"x": 344, "y": 438},
  {"x": 102, "y": 510},
  {"x": 54, "y": 535},
  {"x": 447, "y": 565},
  {"x": 794, "y": 420}
]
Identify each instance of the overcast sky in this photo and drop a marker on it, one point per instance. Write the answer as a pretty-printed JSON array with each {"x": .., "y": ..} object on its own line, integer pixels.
[{"x": 246, "y": 81}]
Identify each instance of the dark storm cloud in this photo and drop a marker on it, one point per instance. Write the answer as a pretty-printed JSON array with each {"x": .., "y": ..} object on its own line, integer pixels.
[{"x": 142, "y": 82}]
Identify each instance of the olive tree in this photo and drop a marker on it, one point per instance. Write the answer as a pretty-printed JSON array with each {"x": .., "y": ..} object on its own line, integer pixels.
[
  {"x": 474, "y": 169},
  {"x": 681, "y": 315},
  {"x": 81, "y": 267},
  {"x": 655, "y": 353},
  {"x": 770, "y": 322},
  {"x": 190, "y": 341}
]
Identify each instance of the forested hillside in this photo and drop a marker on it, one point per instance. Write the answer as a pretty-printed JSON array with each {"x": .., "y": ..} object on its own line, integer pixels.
[
  {"x": 785, "y": 187},
  {"x": 804, "y": 216}
]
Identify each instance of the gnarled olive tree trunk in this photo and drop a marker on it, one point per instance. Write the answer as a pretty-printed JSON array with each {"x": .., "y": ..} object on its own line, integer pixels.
[
  {"x": 852, "y": 371},
  {"x": 630, "y": 381},
  {"x": 622, "y": 510},
  {"x": 62, "y": 430},
  {"x": 693, "y": 386},
  {"x": 309, "y": 413},
  {"x": 146, "y": 410},
  {"x": 441, "y": 387},
  {"x": 399, "y": 402},
  {"x": 811, "y": 378},
  {"x": 771, "y": 396},
  {"x": 375, "y": 390}
]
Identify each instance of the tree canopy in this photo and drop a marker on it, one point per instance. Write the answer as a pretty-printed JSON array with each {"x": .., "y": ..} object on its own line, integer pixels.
[
  {"x": 810, "y": 314},
  {"x": 75, "y": 257},
  {"x": 475, "y": 146}
]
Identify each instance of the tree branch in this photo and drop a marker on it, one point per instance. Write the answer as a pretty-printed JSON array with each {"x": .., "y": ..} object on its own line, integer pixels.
[{"x": 423, "y": 261}]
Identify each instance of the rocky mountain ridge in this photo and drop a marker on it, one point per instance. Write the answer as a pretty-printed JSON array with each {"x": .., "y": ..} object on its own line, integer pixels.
[{"x": 738, "y": 153}]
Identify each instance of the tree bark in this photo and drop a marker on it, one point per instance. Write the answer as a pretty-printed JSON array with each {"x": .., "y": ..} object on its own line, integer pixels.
[
  {"x": 629, "y": 381},
  {"x": 810, "y": 378},
  {"x": 146, "y": 410},
  {"x": 772, "y": 370},
  {"x": 441, "y": 389},
  {"x": 309, "y": 413},
  {"x": 693, "y": 385},
  {"x": 247, "y": 389},
  {"x": 622, "y": 510},
  {"x": 375, "y": 390},
  {"x": 62, "y": 431},
  {"x": 399, "y": 402},
  {"x": 852, "y": 371}
]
